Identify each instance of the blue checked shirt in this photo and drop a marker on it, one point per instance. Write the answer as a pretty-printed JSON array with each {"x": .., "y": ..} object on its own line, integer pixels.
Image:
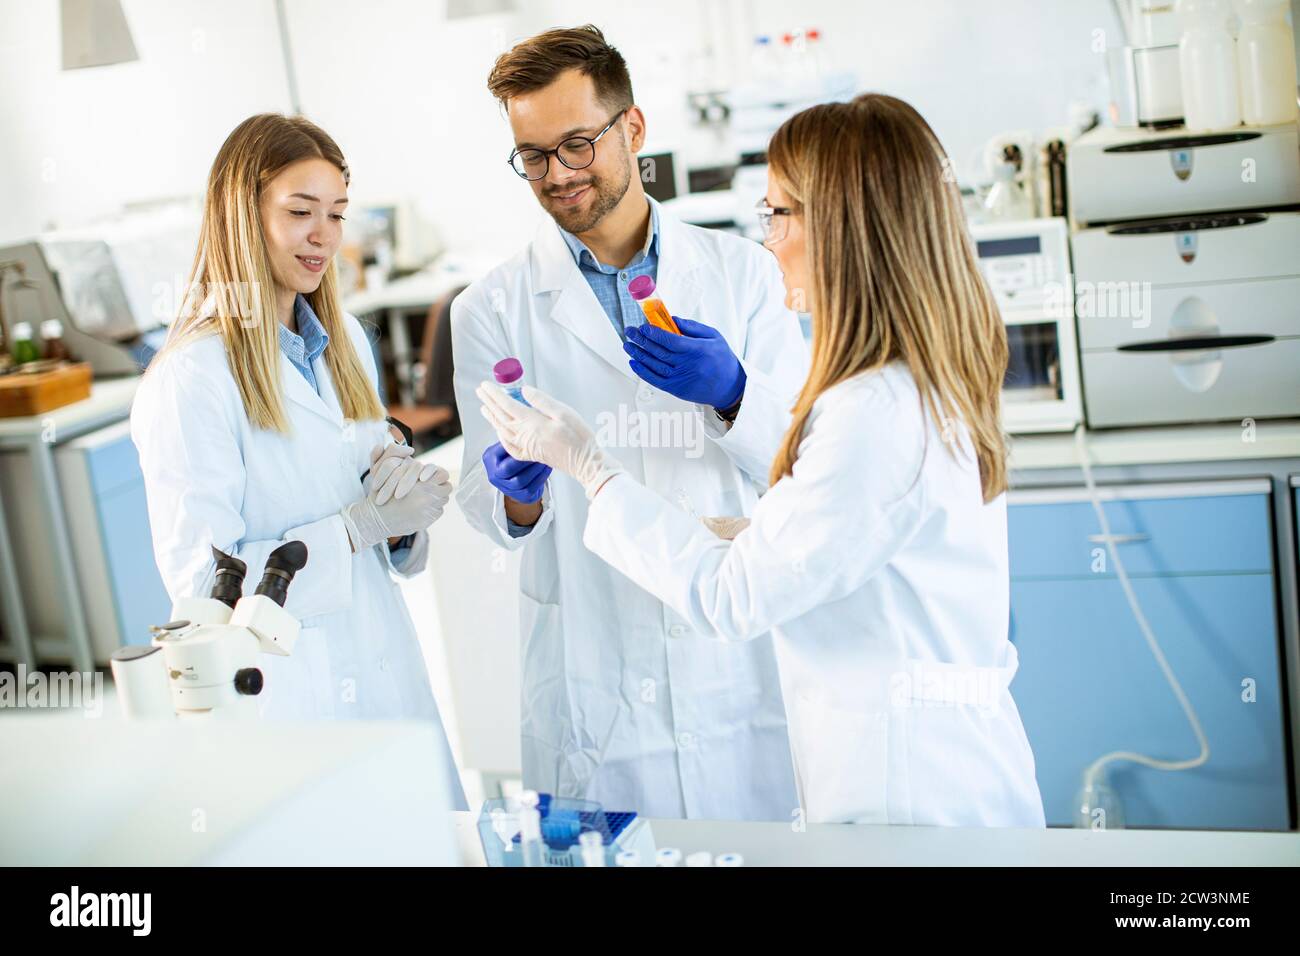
[
  {"x": 610, "y": 284},
  {"x": 306, "y": 345}
]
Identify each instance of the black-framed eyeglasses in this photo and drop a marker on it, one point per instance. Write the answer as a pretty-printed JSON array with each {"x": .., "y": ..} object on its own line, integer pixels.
[
  {"x": 774, "y": 229},
  {"x": 576, "y": 152}
]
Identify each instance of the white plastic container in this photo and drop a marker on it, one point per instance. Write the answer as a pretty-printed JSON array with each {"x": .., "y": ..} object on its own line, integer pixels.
[
  {"x": 1207, "y": 62},
  {"x": 1266, "y": 63}
]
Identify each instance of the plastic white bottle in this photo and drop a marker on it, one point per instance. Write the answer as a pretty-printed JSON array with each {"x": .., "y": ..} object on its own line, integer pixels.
[
  {"x": 1266, "y": 63},
  {"x": 1207, "y": 66}
]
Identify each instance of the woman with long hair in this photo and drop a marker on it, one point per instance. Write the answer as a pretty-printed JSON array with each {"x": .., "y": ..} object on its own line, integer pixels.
[
  {"x": 259, "y": 422},
  {"x": 878, "y": 555}
]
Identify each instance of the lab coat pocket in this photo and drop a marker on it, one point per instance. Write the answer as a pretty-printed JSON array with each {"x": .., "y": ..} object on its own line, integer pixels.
[{"x": 841, "y": 760}]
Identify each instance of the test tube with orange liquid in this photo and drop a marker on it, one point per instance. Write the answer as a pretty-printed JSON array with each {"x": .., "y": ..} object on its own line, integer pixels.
[{"x": 642, "y": 289}]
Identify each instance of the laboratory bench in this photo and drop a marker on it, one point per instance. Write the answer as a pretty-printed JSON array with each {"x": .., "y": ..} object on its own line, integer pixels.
[
  {"x": 39, "y": 439},
  {"x": 829, "y": 844},
  {"x": 1203, "y": 518}
]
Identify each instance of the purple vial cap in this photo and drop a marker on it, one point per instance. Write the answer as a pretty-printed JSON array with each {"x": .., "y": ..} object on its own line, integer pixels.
[
  {"x": 642, "y": 287},
  {"x": 508, "y": 370}
]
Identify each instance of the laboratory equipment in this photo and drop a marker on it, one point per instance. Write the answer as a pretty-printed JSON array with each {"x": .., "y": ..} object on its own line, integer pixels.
[
  {"x": 209, "y": 650},
  {"x": 702, "y": 858},
  {"x": 1266, "y": 63},
  {"x": 1145, "y": 85},
  {"x": 592, "y": 848},
  {"x": 89, "y": 281},
  {"x": 1207, "y": 66},
  {"x": 1007, "y": 201},
  {"x": 22, "y": 348},
  {"x": 1027, "y": 267},
  {"x": 554, "y": 827},
  {"x": 627, "y": 858},
  {"x": 509, "y": 373},
  {"x": 758, "y": 108},
  {"x": 1120, "y": 175},
  {"x": 52, "y": 345},
  {"x": 642, "y": 289},
  {"x": 668, "y": 856},
  {"x": 729, "y": 860},
  {"x": 1189, "y": 319},
  {"x": 530, "y": 829}
]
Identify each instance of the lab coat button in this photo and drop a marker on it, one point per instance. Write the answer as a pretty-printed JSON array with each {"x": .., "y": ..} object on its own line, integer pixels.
[
  {"x": 677, "y": 630},
  {"x": 645, "y": 394},
  {"x": 686, "y": 740},
  {"x": 383, "y": 663}
]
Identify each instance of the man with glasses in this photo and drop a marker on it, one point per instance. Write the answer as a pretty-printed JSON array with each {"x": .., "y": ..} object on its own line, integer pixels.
[{"x": 622, "y": 703}]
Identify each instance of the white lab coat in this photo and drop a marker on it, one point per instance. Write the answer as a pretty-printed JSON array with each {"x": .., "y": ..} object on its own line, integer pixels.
[
  {"x": 882, "y": 575},
  {"x": 623, "y": 702},
  {"x": 212, "y": 478}
]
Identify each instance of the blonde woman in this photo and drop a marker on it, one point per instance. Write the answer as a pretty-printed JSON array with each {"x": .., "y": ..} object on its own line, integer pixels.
[
  {"x": 259, "y": 422},
  {"x": 878, "y": 558}
]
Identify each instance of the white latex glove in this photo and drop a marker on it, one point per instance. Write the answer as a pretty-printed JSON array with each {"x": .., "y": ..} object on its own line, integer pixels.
[
  {"x": 384, "y": 461},
  {"x": 370, "y": 521},
  {"x": 550, "y": 432}
]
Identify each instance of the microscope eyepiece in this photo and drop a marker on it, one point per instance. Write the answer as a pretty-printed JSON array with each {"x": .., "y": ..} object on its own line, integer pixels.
[
  {"x": 282, "y": 564},
  {"x": 229, "y": 585}
]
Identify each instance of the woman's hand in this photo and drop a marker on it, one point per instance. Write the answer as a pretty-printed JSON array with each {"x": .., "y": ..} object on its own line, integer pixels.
[{"x": 549, "y": 432}]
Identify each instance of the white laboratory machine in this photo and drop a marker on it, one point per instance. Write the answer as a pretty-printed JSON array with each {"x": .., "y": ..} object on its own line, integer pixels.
[
  {"x": 1119, "y": 174},
  {"x": 1026, "y": 264},
  {"x": 1189, "y": 244},
  {"x": 204, "y": 662},
  {"x": 1191, "y": 318}
]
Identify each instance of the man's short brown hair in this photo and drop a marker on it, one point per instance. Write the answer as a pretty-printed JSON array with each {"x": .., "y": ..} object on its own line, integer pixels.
[{"x": 537, "y": 61}]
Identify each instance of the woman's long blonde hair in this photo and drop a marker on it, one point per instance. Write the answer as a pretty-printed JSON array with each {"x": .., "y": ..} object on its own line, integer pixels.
[
  {"x": 893, "y": 272},
  {"x": 231, "y": 290}
]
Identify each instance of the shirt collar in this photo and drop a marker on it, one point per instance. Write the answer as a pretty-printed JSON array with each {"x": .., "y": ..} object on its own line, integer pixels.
[
  {"x": 311, "y": 333},
  {"x": 578, "y": 247}
]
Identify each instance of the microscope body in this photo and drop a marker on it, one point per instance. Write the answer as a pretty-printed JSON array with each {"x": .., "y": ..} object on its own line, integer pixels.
[{"x": 204, "y": 662}]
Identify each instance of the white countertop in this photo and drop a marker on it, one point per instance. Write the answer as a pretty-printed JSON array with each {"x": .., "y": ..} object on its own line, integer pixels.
[
  {"x": 108, "y": 397},
  {"x": 1160, "y": 445},
  {"x": 777, "y": 844}
]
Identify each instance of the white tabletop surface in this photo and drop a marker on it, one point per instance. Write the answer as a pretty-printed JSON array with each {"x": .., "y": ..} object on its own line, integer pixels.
[
  {"x": 778, "y": 844},
  {"x": 108, "y": 397},
  {"x": 1160, "y": 445}
]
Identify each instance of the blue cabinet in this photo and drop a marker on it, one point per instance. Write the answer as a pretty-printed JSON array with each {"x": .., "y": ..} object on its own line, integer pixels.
[
  {"x": 1201, "y": 562},
  {"x": 104, "y": 501}
]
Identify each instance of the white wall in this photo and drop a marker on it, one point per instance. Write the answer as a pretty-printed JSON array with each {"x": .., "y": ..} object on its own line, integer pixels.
[{"x": 402, "y": 90}]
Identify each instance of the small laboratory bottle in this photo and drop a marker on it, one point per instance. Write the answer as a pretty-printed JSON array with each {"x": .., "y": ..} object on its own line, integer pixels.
[
  {"x": 22, "y": 348},
  {"x": 702, "y": 858},
  {"x": 1266, "y": 63},
  {"x": 530, "y": 829},
  {"x": 627, "y": 858},
  {"x": 668, "y": 857},
  {"x": 1207, "y": 66},
  {"x": 52, "y": 343},
  {"x": 642, "y": 288},
  {"x": 729, "y": 859},
  {"x": 593, "y": 848},
  {"x": 509, "y": 373}
]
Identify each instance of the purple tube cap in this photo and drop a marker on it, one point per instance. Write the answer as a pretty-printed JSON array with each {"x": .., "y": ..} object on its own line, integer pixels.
[
  {"x": 642, "y": 287},
  {"x": 508, "y": 370}
]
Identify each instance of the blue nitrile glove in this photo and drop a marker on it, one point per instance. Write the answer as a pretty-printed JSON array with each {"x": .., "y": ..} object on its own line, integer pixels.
[
  {"x": 523, "y": 481},
  {"x": 696, "y": 366}
]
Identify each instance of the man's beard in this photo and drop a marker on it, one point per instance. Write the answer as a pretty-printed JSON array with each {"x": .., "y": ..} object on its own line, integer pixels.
[{"x": 605, "y": 196}]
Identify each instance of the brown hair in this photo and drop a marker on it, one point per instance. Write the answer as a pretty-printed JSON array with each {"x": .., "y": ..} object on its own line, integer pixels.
[
  {"x": 893, "y": 271},
  {"x": 537, "y": 61},
  {"x": 231, "y": 291}
]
